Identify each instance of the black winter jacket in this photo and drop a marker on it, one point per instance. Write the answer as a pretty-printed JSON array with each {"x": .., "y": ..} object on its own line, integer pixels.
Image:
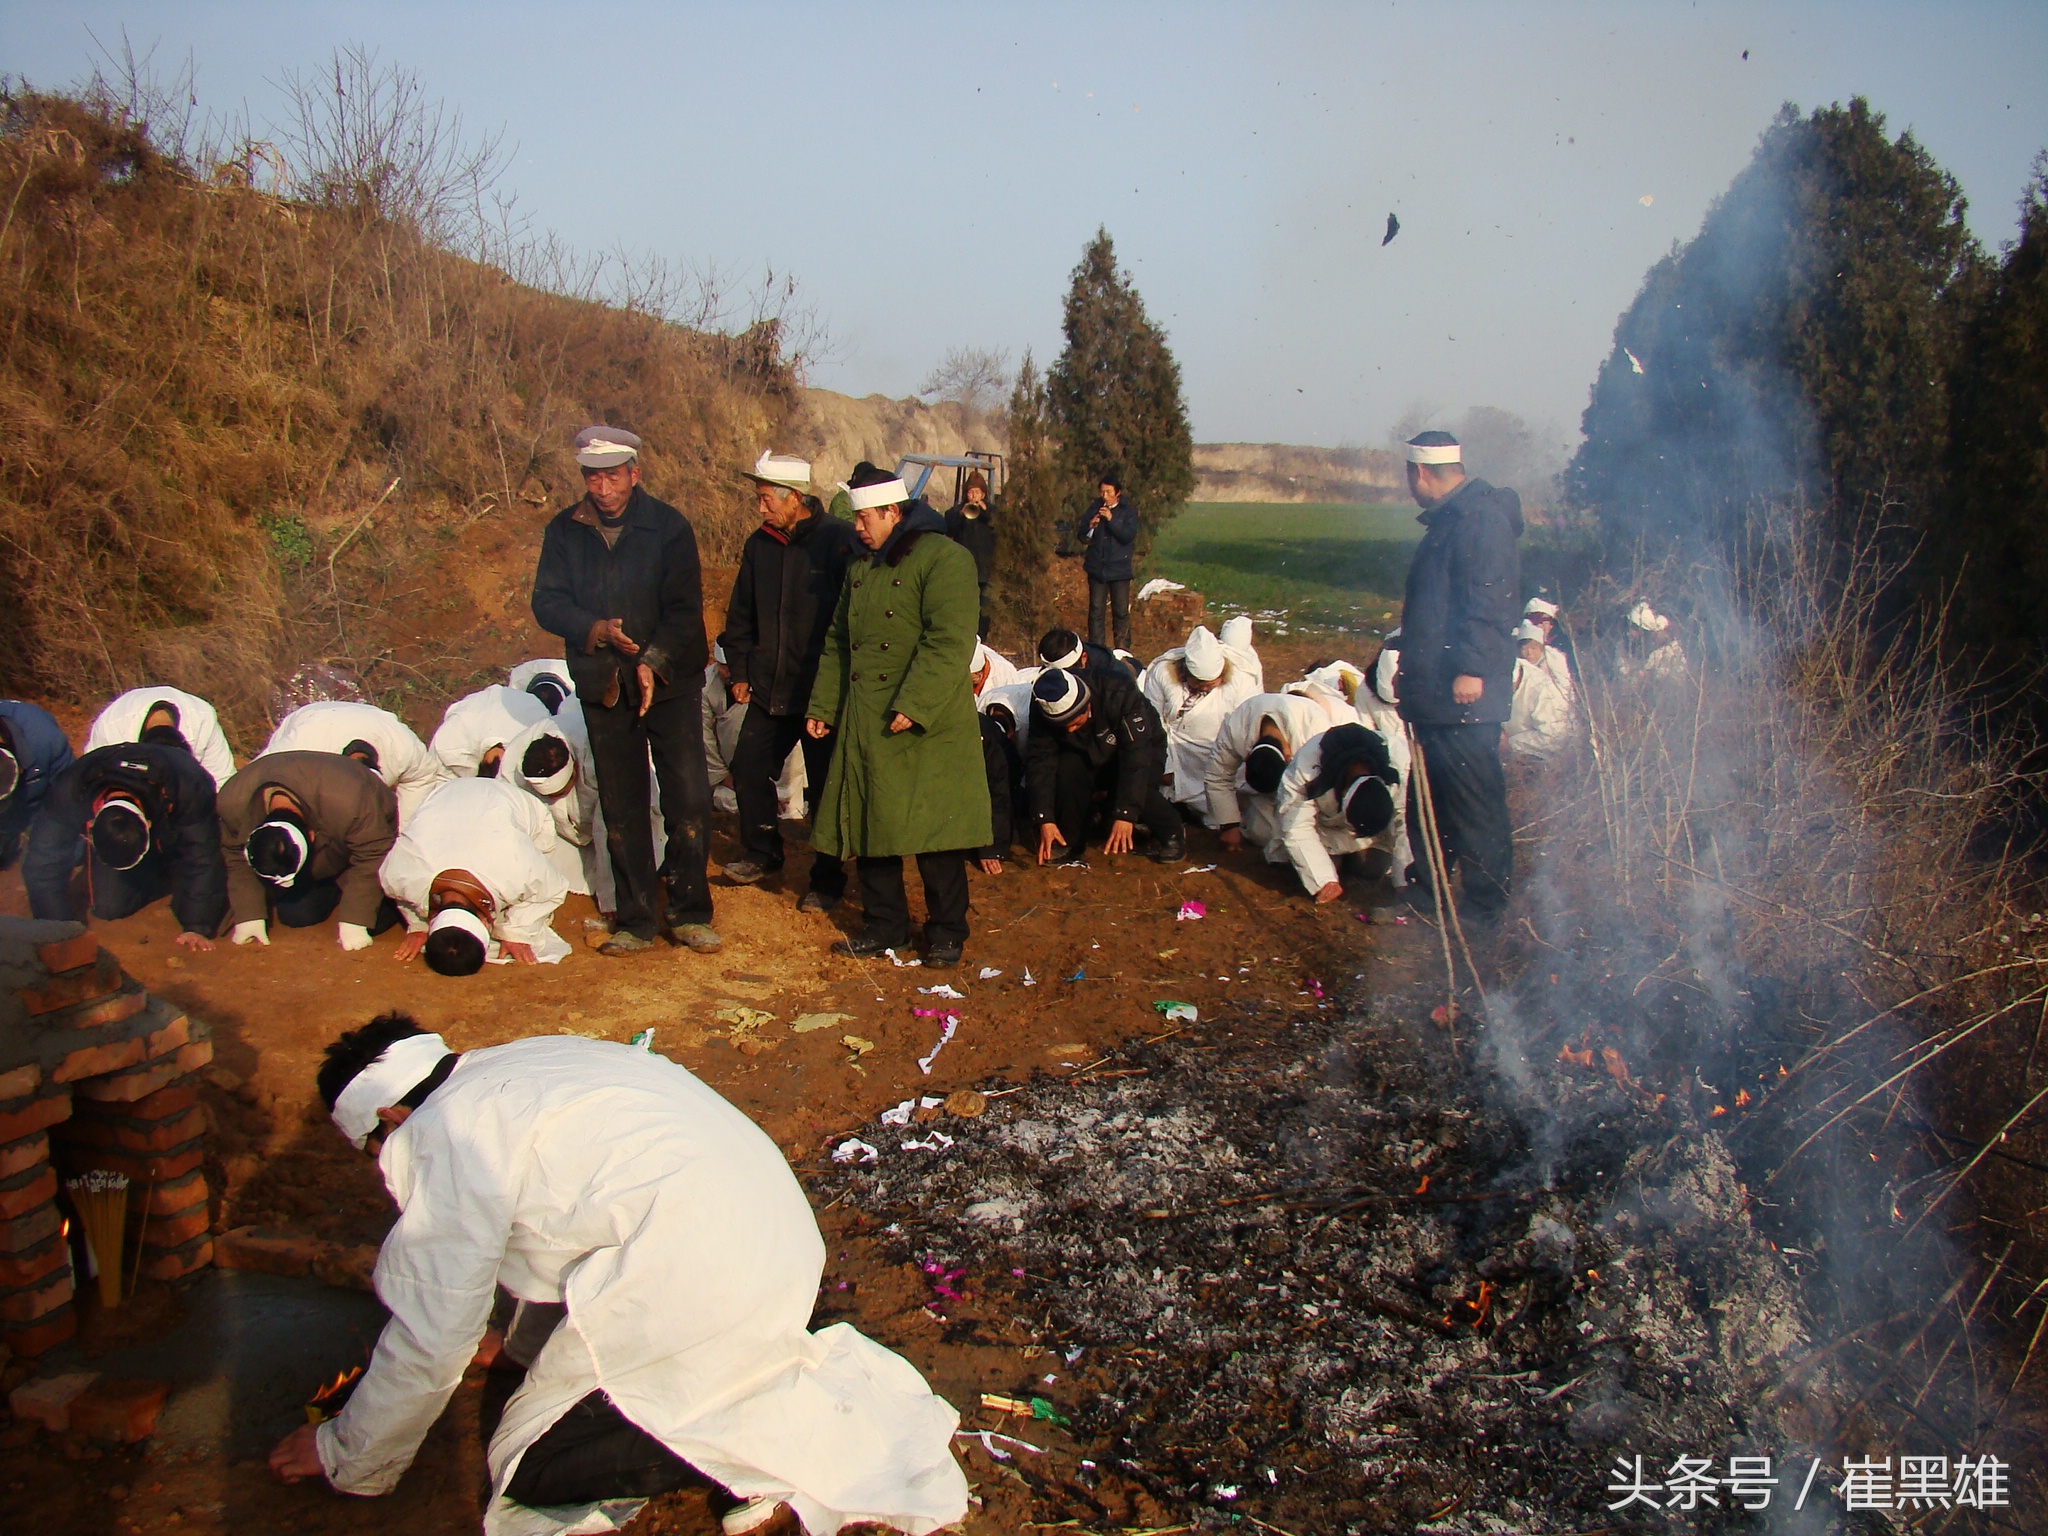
[
  {"x": 1109, "y": 546},
  {"x": 1464, "y": 600},
  {"x": 1122, "y": 726},
  {"x": 177, "y": 795},
  {"x": 1005, "y": 769},
  {"x": 782, "y": 604},
  {"x": 650, "y": 579},
  {"x": 976, "y": 535}
]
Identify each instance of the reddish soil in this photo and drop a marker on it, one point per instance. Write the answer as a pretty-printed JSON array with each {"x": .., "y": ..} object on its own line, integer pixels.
[{"x": 1102, "y": 945}]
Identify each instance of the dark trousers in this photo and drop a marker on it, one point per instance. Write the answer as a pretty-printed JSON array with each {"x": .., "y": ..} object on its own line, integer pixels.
[
  {"x": 887, "y": 907},
  {"x": 594, "y": 1453},
  {"x": 1470, "y": 790},
  {"x": 1075, "y": 808},
  {"x": 309, "y": 903},
  {"x": 1105, "y": 597},
  {"x": 983, "y": 631},
  {"x": 757, "y": 761},
  {"x": 620, "y": 741}
]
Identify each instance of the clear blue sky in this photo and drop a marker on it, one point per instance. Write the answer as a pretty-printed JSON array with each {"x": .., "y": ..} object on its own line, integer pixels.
[{"x": 930, "y": 172}]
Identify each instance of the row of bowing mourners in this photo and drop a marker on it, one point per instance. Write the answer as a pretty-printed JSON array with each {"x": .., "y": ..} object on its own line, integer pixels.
[{"x": 850, "y": 682}]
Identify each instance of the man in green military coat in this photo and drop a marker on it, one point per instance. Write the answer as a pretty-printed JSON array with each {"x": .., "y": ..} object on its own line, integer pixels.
[{"x": 907, "y": 777}]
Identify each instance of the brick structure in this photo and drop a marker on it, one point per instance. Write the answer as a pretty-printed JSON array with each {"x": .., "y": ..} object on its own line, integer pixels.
[{"x": 94, "y": 1074}]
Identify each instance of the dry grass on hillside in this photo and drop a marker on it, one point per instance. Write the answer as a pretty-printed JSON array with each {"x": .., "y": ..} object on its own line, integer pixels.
[{"x": 206, "y": 389}]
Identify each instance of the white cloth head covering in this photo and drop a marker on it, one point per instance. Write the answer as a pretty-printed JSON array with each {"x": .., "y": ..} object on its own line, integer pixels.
[
  {"x": 1237, "y": 632},
  {"x": 1204, "y": 656},
  {"x": 782, "y": 469},
  {"x": 1435, "y": 453},
  {"x": 552, "y": 784},
  {"x": 298, "y": 842},
  {"x": 403, "y": 1066},
  {"x": 1648, "y": 619},
  {"x": 888, "y": 493},
  {"x": 1527, "y": 631},
  {"x": 979, "y": 659},
  {"x": 1073, "y": 658},
  {"x": 1059, "y": 694},
  {"x": 1340, "y": 677},
  {"x": 602, "y": 447},
  {"x": 1537, "y": 605}
]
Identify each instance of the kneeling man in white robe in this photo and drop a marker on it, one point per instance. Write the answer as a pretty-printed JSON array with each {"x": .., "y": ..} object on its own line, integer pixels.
[
  {"x": 667, "y": 1253},
  {"x": 470, "y": 874},
  {"x": 1337, "y": 799}
]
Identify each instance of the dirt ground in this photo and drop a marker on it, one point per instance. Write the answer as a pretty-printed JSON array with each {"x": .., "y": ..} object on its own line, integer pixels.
[{"x": 1100, "y": 945}]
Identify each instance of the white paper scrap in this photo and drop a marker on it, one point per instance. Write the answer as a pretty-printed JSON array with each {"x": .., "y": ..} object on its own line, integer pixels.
[{"x": 854, "y": 1150}]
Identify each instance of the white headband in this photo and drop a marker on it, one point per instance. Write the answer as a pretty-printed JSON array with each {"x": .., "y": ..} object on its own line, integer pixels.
[
  {"x": 1435, "y": 453},
  {"x": 887, "y": 494},
  {"x": 404, "y": 1065},
  {"x": 298, "y": 840},
  {"x": 555, "y": 782},
  {"x": 1073, "y": 658},
  {"x": 463, "y": 918}
]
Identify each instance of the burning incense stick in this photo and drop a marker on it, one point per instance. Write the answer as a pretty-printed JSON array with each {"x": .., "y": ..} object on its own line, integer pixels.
[{"x": 101, "y": 1200}]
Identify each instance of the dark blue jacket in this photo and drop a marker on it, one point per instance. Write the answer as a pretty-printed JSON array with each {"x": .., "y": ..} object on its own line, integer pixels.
[
  {"x": 1109, "y": 546},
  {"x": 41, "y": 751},
  {"x": 1464, "y": 601},
  {"x": 650, "y": 579},
  {"x": 178, "y": 797}
]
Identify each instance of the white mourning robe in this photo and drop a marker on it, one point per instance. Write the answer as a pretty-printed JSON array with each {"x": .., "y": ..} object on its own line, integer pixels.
[
  {"x": 1017, "y": 698},
  {"x": 723, "y": 717},
  {"x": 1192, "y": 720},
  {"x": 499, "y": 833},
  {"x": 403, "y": 761},
  {"x": 121, "y": 721},
  {"x": 1236, "y": 640},
  {"x": 1299, "y": 717},
  {"x": 1386, "y": 719},
  {"x": 1539, "y": 717},
  {"x": 1313, "y": 831},
  {"x": 608, "y": 1179},
  {"x": 578, "y": 853},
  {"x": 488, "y": 718},
  {"x": 1559, "y": 666}
]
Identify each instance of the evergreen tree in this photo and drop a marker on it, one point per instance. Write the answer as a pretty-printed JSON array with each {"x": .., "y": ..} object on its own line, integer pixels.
[
  {"x": 1114, "y": 397},
  {"x": 1026, "y": 522},
  {"x": 1799, "y": 348},
  {"x": 1994, "y": 542}
]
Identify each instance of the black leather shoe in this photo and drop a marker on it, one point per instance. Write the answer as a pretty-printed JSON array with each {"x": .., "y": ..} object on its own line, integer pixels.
[
  {"x": 817, "y": 901},
  {"x": 863, "y": 946},
  {"x": 941, "y": 957},
  {"x": 748, "y": 871},
  {"x": 1168, "y": 852}
]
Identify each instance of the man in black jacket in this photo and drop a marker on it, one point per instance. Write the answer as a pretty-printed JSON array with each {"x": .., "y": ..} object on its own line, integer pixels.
[
  {"x": 1110, "y": 532},
  {"x": 1456, "y": 681},
  {"x": 620, "y": 583},
  {"x": 1095, "y": 736},
  {"x": 971, "y": 525},
  {"x": 143, "y": 814},
  {"x": 783, "y": 599}
]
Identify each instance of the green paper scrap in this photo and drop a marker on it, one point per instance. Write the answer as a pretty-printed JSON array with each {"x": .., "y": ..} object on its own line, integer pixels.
[
  {"x": 811, "y": 1021},
  {"x": 1041, "y": 1409},
  {"x": 1176, "y": 1011},
  {"x": 644, "y": 1040}
]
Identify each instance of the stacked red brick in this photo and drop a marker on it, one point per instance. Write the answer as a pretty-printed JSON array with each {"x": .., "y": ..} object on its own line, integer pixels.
[{"x": 94, "y": 1074}]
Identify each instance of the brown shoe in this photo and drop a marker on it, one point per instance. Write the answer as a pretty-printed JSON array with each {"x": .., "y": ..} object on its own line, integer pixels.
[{"x": 625, "y": 942}]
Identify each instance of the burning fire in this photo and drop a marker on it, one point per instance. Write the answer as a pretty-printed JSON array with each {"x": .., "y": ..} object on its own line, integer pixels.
[
  {"x": 332, "y": 1398},
  {"x": 1475, "y": 1312}
]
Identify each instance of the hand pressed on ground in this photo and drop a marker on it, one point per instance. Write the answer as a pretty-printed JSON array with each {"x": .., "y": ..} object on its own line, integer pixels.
[{"x": 297, "y": 1456}]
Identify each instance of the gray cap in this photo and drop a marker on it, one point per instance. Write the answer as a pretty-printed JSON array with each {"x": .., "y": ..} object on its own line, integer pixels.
[{"x": 602, "y": 447}]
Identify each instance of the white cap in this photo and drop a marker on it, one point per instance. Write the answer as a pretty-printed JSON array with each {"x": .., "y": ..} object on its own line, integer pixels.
[
  {"x": 1539, "y": 606},
  {"x": 1237, "y": 631},
  {"x": 1527, "y": 631},
  {"x": 888, "y": 493},
  {"x": 602, "y": 447},
  {"x": 1648, "y": 619},
  {"x": 404, "y": 1065},
  {"x": 782, "y": 469},
  {"x": 1204, "y": 656},
  {"x": 979, "y": 659}
]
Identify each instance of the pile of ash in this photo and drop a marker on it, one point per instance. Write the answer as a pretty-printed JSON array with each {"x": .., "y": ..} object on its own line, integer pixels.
[{"x": 1329, "y": 1287}]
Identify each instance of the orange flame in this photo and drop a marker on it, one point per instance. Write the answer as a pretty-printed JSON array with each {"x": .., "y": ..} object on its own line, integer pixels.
[
  {"x": 1742, "y": 1099},
  {"x": 1575, "y": 1058},
  {"x": 1616, "y": 1067},
  {"x": 341, "y": 1379},
  {"x": 1719, "y": 1111},
  {"x": 1484, "y": 1305},
  {"x": 1423, "y": 1187}
]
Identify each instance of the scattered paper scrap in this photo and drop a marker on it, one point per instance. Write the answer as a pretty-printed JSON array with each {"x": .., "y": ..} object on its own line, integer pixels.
[
  {"x": 900, "y": 1115},
  {"x": 644, "y": 1040},
  {"x": 988, "y": 1439},
  {"x": 924, "y": 1063},
  {"x": 1190, "y": 911},
  {"x": 857, "y": 1045},
  {"x": 1072, "y": 1048},
  {"x": 742, "y": 1018},
  {"x": 935, "y": 1141},
  {"x": 1028, "y": 981},
  {"x": 1168, "y": 954},
  {"x": 1041, "y": 1409},
  {"x": 1315, "y": 987},
  {"x": 943, "y": 990},
  {"x": 1176, "y": 1012},
  {"x": 989, "y": 973},
  {"x": 810, "y": 1021},
  {"x": 854, "y": 1150},
  {"x": 1199, "y": 869},
  {"x": 1080, "y": 975},
  {"x": 897, "y": 960},
  {"x": 1002, "y": 1404}
]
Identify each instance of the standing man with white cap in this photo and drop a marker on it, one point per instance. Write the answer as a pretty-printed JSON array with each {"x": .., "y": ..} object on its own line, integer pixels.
[
  {"x": 791, "y": 570},
  {"x": 1458, "y": 666},
  {"x": 619, "y": 580}
]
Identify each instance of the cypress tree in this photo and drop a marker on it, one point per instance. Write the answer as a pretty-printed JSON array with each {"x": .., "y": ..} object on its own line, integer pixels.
[
  {"x": 1114, "y": 398},
  {"x": 1025, "y": 523},
  {"x": 1798, "y": 348}
]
